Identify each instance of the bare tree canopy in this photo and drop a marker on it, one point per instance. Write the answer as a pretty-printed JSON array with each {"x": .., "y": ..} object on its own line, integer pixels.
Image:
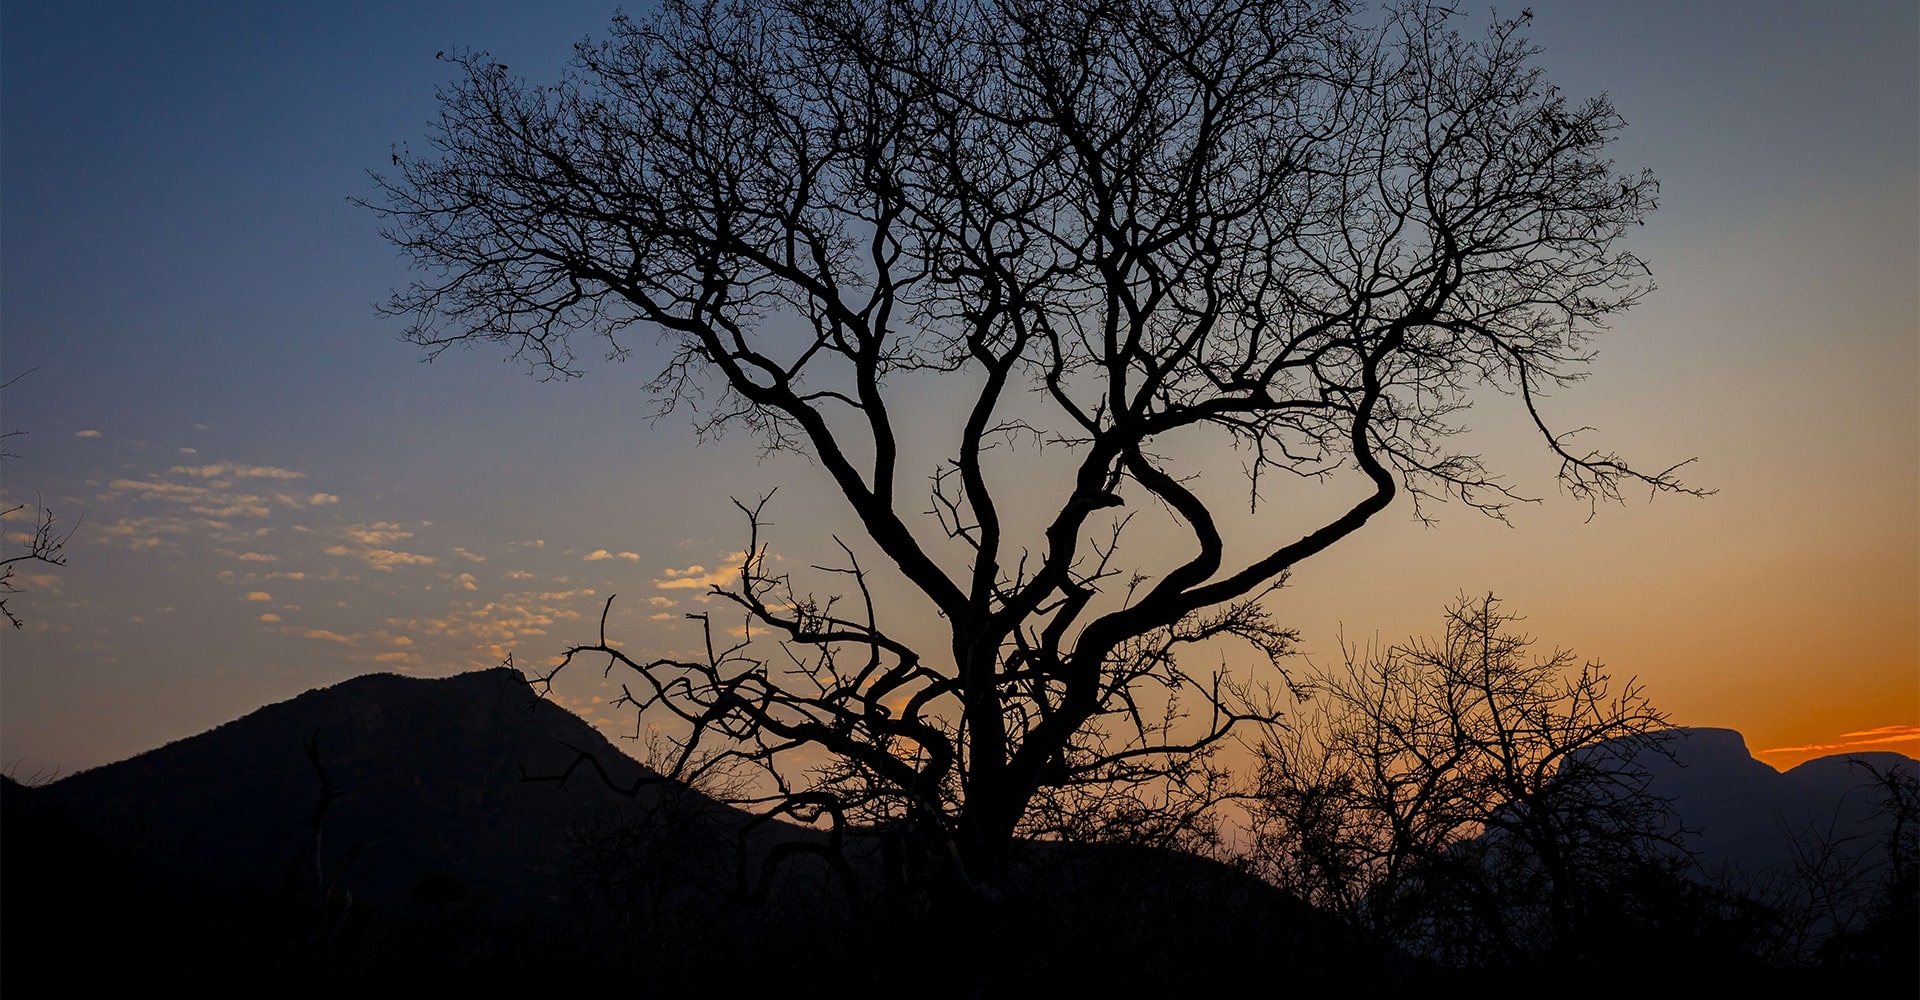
[
  {"x": 1308, "y": 231},
  {"x": 46, "y": 543},
  {"x": 1466, "y": 798}
]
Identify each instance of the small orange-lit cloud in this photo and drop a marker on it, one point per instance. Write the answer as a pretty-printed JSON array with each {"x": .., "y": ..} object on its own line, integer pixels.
[
  {"x": 245, "y": 506},
  {"x": 257, "y": 557},
  {"x": 698, "y": 578},
  {"x": 259, "y": 595},
  {"x": 469, "y": 556},
  {"x": 378, "y": 534},
  {"x": 493, "y": 629},
  {"x": 221, "y": 469},
  {"x": 159, "y": 489},
  {"x": 139, "y": 533},
  {"x": 599, "y": 554},
  {"x": 321, "y": 634},
  {"x": 86, "y": 434},
  {"x": 1903, "y": 738},
  {"x": 376, "y": 540},
  {"x": 269, "y": 617},
  {"x": 385, "y": 560},
  {"x": 322, "y": 499}
]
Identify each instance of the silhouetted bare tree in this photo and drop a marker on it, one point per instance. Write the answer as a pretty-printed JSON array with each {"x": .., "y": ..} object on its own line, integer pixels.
[
  {"x": 1131, "y": 231},
  {"x": 1852, "y": 900},
  {"x": 45, "y": 543},
  {"x": 1465, "y": 798}
]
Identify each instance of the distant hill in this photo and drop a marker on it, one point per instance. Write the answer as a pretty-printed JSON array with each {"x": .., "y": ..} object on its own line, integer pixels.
[
  {"x": 436, "y": 859},
  {"x": 1749, "y": 817},
  {"x": 427, "y": 780}
]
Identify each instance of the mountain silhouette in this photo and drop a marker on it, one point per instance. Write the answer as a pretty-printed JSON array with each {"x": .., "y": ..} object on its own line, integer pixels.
[
  {"x": 387, "y": 827},
  {"x": 1745, "y": 819},
  {"x": 423, "y": 779},
  {"x": 434, "y": 852}
]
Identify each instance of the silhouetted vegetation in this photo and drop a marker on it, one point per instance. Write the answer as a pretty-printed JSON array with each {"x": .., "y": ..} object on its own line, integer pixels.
[
  {"x": 1465, "y": 799},
  {"x": 1132, "y": 233},
  {"x": 406, "y": 847},
  {"x": 45, "y": 543},
  {"x": 1474, "y": 805}
]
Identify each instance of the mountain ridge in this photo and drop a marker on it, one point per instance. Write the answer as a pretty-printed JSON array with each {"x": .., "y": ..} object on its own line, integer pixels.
[{"x": 418, "y": 776}]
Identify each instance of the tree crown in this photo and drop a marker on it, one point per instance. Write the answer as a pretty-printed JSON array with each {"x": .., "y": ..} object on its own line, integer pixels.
[{"x": 1120, "y": 223}]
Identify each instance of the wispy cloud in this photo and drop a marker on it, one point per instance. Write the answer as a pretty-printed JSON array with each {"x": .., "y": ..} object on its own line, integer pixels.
[
  {"x": 375, "y": 541},
  {"x": 698, "y": 578},
  {"x": 321, "y": 635},
  {"x": 379, "y": 533},
  {"x": 600, "y": 554},
  {"x": 160, "y": 489},
  {"x": 48, "y": 582},
  {"x": 494, "y": 628},
  {"x": 214, "y": 499},
  {"x": 86, "y": 434},
  {"x": 385, "y": 560},
  {"x": 1879, "y": 736},
  {"x": 223, "y": 469}
]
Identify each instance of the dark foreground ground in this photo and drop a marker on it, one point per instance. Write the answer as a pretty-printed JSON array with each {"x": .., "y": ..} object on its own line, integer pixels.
[
  {"x": 1118, "y": 923},
  {"x": 382, "y": 836}
]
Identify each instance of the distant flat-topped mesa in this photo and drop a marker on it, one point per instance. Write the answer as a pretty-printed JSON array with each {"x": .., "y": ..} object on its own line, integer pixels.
[{"x": 1750, "y": 818}]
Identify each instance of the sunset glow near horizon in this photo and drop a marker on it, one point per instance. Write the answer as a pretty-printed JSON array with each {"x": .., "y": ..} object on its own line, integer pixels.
[{"x": 272, "y": 495}]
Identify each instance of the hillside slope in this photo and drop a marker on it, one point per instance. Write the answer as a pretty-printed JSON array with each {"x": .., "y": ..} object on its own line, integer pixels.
[{"x": 427, "y": 779}]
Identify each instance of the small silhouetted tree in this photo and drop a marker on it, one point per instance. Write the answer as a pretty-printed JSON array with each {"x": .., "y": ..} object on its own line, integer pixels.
[
  {"x": 1854, "y": 903},
  {"x": 45, "y": 543},
  {"x": 1127, "y": 232},
  {"x": 641, "y": 857},
  {"x": 1468, "y": 799}
]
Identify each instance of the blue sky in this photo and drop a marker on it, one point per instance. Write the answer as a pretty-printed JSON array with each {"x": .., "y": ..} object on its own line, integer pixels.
[{"x": 183, "y": 274}]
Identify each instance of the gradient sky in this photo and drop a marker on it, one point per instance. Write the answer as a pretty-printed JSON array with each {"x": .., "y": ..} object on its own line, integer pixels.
[{"x": 277, "y": 495}]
